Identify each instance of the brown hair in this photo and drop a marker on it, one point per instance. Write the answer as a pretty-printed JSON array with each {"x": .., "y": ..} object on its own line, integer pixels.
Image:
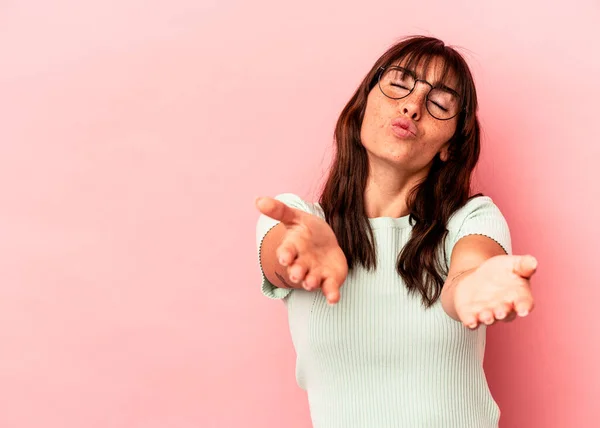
[{"x": 431, "y": 202}]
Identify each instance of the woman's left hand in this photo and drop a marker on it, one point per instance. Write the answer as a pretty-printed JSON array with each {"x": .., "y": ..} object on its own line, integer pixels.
[{"x": 498, "y": 289}]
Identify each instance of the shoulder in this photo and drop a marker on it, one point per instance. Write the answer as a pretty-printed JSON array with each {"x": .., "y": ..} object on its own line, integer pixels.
[
  {"x": 477, "y": 207},
  {"x": 479, "y": 216}
]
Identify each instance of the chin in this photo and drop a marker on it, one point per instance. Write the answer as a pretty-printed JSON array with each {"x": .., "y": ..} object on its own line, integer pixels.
[
  {"x": 390, "y": 151},
  {"x": 396, "y": 158},
  {"x": 400, "y": 152}
]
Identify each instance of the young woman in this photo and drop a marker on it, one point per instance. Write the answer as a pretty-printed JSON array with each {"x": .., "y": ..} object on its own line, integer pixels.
[{"x": 391, "y": 278}]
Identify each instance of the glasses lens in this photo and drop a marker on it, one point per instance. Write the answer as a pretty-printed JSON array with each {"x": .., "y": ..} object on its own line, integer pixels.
[
  {"x": 396, "y": 82},
  {"x": 442, "y": 104}
]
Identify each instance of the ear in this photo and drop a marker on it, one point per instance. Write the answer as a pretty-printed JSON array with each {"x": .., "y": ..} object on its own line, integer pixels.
[{"x": 444, "y": 153}]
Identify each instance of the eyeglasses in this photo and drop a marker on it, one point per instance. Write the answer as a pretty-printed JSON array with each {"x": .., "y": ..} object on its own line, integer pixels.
[{"x": 442, "y": 102}]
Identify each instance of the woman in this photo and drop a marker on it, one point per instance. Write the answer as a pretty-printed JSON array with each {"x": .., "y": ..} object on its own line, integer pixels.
[{"x": 412, "y": 266}]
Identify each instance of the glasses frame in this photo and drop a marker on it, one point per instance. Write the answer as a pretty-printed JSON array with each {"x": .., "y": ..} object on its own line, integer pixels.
[{"x": 382, "y": 71}]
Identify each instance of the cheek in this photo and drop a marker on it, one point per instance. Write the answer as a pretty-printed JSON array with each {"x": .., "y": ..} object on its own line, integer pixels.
[
  {"x": 374, "y": 122},
  {"x": 441, "y": 134}
]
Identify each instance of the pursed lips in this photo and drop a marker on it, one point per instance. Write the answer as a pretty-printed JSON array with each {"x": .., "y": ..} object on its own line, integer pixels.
[{"x": 403, "y": 127}]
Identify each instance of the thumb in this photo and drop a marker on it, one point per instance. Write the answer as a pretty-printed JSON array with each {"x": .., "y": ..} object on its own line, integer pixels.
[
  {"x": 276, "y": 210},
  {"x": 525, "y": 266}
]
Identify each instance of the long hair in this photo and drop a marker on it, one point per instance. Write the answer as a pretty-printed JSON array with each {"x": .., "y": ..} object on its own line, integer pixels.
[{"x": 431, "y": 202}]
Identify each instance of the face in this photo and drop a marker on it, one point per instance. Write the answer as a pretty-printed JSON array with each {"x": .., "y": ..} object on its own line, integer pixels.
[{"x": 383, "y": 132}]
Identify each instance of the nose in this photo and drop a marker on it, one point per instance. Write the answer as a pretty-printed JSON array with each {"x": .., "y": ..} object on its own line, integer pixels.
[{"x": 415, "y": 102}]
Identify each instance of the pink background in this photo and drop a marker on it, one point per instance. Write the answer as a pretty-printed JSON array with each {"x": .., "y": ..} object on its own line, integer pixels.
[{"x": 135, "y": 136}]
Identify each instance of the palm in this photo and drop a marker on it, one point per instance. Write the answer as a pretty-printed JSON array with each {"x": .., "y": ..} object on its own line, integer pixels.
[{"x": 498, "y": 288}]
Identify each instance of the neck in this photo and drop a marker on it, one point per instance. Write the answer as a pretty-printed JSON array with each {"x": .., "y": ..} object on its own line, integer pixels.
[{"x": 387, "y": 191}]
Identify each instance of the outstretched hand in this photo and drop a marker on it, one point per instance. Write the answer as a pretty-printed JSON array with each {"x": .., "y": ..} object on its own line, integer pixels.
[
  {"x": 309, "y": 249},
  {"x": 498, "y": 289}
]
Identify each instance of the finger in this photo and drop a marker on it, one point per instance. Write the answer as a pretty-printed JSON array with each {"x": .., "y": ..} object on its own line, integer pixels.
[
  {"x": 312, "y": 281},
  {"x": 277, "y": 210},
  {"x": 501, "y": 310},
  {"x": 486, "y": 316},
  {"x": 524, "y": 305},
  {"x": 286, "y": 253},
  {"x": 331, "y": 290},
  {"x": 297, "y": 272},
  {"x": 467, "y": 316},
  {"x": 473, "y": 323},
  {"x": 525, "y": 266}
]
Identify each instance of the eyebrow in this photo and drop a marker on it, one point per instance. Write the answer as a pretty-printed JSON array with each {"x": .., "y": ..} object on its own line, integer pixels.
[
  {"x": 434, "y": 84},
  {"x": 447, "y": 88}
]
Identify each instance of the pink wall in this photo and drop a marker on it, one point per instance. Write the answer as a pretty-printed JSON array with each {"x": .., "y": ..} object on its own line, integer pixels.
[{"x": 134, "y": 137}]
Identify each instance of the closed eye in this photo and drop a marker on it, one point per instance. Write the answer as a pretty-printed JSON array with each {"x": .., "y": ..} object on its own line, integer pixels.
[
  {"x": 439, "y": 106},
  {"x": 398, "y": 86}
]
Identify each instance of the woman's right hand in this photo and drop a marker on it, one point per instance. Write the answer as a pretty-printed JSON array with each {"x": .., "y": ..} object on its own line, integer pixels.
[{"x": 309, "y": 249}]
